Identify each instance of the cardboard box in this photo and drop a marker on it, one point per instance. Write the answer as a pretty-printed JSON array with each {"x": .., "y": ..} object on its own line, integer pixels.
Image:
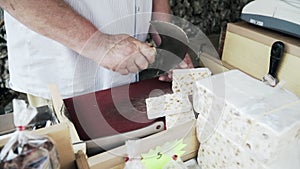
[{"x": 247, "y": 48}]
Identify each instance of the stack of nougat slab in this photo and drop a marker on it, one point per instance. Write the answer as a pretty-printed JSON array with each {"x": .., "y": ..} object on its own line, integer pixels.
[
  {"x": 176, "y": 107},
  {"x": 243, "y": 123}
]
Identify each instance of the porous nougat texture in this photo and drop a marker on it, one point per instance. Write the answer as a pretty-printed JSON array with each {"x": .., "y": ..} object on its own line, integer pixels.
[
  {"x": 183, "y": 79},
  {"x": 218, "y": 152},
  {"x": 167, "y": 104},
  {"x": 177, "y": 119},
  {"x": 263, "y": 121}
]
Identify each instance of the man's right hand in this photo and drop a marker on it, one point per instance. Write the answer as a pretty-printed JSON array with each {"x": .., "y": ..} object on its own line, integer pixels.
[{"x": 121, "y": 53}]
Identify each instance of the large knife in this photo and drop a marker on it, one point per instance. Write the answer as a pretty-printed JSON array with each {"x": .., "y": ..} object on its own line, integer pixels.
[{"x": 171, "y": 51}]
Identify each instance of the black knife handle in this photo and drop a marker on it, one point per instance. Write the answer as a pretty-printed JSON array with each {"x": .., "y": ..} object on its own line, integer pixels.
[{"x": 276, "y": 55}]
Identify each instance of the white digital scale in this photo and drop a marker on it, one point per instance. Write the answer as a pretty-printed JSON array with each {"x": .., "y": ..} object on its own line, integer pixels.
[{"x": 279, "y": 15}]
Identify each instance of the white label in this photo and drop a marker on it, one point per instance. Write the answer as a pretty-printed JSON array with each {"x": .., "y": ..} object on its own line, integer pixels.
[{"x": 256, "y": 22}]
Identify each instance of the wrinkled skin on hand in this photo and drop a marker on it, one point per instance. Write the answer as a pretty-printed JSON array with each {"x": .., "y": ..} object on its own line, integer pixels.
[
  {"x": 120, "y": 53},
  {"x": 125, "y": 54}
]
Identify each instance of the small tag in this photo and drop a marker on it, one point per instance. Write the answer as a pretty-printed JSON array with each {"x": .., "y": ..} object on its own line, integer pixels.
[{"x": 157, "y": 158}]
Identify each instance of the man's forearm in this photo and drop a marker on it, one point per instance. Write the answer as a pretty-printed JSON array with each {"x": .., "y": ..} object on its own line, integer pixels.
[
  {"x": 161, "y": 6},
  {"x": 52, "y": 18},
  {"x": 161, "y": 12}
]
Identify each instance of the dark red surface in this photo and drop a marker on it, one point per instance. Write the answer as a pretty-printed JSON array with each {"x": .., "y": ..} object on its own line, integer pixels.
[{"x": 115, "y": 110}]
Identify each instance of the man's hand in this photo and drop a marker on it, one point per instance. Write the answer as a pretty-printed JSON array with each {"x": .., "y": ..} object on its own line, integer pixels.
[
  {"x": 185, "y": 64},
  {"x": 120, "y": 53}
]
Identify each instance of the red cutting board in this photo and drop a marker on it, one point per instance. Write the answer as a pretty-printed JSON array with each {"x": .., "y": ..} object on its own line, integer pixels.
[{"x": 113, "y": 111}]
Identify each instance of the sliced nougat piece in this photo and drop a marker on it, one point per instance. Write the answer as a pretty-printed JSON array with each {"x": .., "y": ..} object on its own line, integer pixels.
[
  {"x": 167, "y": 104},
  {"x": 177, "y": 119},
  {"x": 183, "y": 79}
]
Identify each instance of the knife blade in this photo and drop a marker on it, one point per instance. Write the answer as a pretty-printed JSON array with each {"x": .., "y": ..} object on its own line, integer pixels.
[{"x": 171, "y": 51}]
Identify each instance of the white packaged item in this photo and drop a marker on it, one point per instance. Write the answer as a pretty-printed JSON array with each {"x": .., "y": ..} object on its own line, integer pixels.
[
  {"x": 192, "y": 164},
  {"x": 167, "y": 104},
  {"x": 263, "y": 121},
  {"x": 134, "y": 158},
  {"x": 183, "y": 79},
  {"x": 175, "y": 164},
  {"x": 24, "y": 150}
]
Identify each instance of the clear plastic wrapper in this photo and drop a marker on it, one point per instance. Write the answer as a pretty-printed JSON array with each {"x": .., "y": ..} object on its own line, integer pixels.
[
  {"x": 134, "y": 159},
  {"x": 25, "y": 150},
  {"x": 192, "y": 164},
  {"x": 175, "y": 163}
]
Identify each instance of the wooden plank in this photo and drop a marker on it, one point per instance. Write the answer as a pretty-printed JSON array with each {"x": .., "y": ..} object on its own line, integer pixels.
[
  {"x": 58, "y": 105},
  {"x": 215, "y": 65},
  {"x": 115, "y": 158},
  {"x": 81, "y": 160},
  {"x": 246, "y": 54},
  {"x": 265, "y": 36}
]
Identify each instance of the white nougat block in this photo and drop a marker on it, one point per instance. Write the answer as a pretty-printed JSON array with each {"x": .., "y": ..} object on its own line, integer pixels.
[
  {"x": 177, "y": 119},
  {"x": 262, "y": 120},
  {"x": 183, "y": 79},
  {"x": 219, "y": 152},
  {"x": 167, "y": 104}
]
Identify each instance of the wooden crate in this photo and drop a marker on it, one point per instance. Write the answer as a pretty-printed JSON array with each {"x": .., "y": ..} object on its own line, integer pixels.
[{"x": 247, "y": 48}]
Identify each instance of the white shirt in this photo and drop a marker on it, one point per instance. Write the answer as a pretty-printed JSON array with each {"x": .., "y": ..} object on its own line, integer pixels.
[{"x": 36, "y": 61}]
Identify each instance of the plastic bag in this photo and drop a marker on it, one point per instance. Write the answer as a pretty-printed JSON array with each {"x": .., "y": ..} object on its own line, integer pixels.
[
  {"x": 134, "y": 159},
  {"x": 25, "y": 150},
  {"x": 175, "y": 163}
]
